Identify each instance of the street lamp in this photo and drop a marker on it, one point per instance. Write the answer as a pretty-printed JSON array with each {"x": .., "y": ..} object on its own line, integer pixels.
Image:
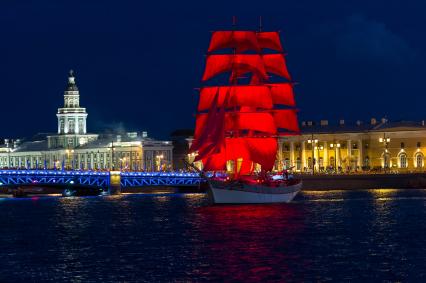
[
  {"x": 313, "y": 141},
  {"x": 159, "y": 157},
  {"x": 68, "y": 157},
  {"x": 385, "y": 140},
  {"x": 122, "y": 161}
]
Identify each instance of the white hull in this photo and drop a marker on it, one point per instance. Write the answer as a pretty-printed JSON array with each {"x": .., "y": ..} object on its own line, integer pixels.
[{"x": 253, "y": 194}]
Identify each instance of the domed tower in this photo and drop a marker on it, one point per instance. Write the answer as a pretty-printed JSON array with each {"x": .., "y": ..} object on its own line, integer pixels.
[{"x": 71, "y": 118}]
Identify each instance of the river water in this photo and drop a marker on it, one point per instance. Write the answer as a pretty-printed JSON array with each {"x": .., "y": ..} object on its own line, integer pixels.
[{"x": 369, "y": 235}]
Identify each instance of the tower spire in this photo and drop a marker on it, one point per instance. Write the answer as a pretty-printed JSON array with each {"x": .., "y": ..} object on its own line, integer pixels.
[{"x": 71, "y": 81}]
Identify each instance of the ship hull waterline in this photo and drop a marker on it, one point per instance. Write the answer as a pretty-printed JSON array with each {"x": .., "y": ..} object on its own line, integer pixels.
[{"x": 253, "y": 194}]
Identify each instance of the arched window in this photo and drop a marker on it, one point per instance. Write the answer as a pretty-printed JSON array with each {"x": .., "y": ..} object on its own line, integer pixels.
[
  {"x": 419, "y": 160},
  {"x": 403, "y": 160},
  {"x": 286, "y": 163},
  {"x": 367, "y": 161},
  {"x": 298, "y": 164},
  {"x": 309, "y": 162}
]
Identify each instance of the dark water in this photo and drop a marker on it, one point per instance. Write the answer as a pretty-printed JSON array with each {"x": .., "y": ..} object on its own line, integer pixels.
[{"x": 323, "y": 236}]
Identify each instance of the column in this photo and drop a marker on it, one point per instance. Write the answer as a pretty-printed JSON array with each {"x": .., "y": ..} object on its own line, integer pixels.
[
  {"x": 59, "y": 125},
  {"x": 325, "y": 155},
  {"x": 292, "y": 162},
  {"x": 280, "y": 155},
  {"x": 66, "y": 125},
  {"x": 303, "y": 155},
  {"x": 316, "y": 155},
  {"x": 76, "y": 125},
  {"x": 84, "y": 125},
  {"x": 349, "y": 154},
  {"x": 171, "y": 159},
  {"x": 360, "y": 154},
  {"x": 338, "y": 159}
]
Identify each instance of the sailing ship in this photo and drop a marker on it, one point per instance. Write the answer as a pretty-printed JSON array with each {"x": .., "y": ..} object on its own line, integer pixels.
[{"x": 238, "y": 122}]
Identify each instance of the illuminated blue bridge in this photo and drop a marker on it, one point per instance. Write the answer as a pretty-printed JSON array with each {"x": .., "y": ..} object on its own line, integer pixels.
[{"x": 15, "y": 178}]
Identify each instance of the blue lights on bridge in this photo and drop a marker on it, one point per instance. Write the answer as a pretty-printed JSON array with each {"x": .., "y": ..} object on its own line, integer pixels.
[{"x": 97, "y": 179}]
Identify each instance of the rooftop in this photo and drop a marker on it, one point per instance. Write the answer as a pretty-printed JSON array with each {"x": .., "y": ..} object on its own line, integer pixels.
[{"x": 308, "y": 127}]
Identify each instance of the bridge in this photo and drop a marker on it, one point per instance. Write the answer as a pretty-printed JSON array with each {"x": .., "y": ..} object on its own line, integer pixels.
[{"x": 97, "y": 179}]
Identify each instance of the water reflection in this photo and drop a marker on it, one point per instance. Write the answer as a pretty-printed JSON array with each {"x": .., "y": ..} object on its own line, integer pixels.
[
  {"x": 246, "y": 242},
  {"x": 345, "y": 236}
]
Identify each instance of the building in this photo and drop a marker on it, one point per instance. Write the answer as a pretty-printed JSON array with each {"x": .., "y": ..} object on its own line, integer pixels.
[
  {"x": 180, "y": 147},
  {"x": 377, "y": 146},
  {"x": 73, "y": 148},
  {"x": 374, "y": 146}
]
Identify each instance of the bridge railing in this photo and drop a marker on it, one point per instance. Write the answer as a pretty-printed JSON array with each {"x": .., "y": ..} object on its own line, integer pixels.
[
  {"x": 96, "y": 178},
  {"x": 140, "y": 179}
]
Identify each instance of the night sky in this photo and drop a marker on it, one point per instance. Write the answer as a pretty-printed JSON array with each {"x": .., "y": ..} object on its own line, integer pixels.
[{"x": 137, "y": 62}]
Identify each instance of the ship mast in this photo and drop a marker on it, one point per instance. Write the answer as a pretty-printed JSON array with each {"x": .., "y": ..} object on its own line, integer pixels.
[{"x": 243, "y": 120}]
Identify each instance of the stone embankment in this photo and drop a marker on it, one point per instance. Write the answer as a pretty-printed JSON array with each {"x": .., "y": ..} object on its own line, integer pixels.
[{"x": 364, "y": 181}]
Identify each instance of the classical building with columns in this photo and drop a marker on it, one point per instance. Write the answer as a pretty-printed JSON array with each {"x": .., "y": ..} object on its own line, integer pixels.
[
  {"x": 373, "y": 146},
  {"x": 73, "y": 148}
]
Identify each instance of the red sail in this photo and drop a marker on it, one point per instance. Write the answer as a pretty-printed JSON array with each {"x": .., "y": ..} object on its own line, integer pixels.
[
  {"x": 282, "y": 94},
  {"x": 261, "y": 121},
  {"x": 200, "y": 124},
  {"x": 246, "y": 167},
  {"x": 252, "y": 121},
  {"x": 286, "y": 119},
  {"x": 236, "y": 148},
  {"x": 275, "y": 64},
  {"x": 209, "y": 128},
  {"x": 238, "y": 40},
  {"x": 251, "y": 96},
  {"x": 243, "y": 120},
  {"x": 259, "y": 150},
  {"x": 263, "y": 151},
  {"x": 215, "y": 162},
  {"x": 241, "y": 63},
  {"x": 270, "y": 40}
]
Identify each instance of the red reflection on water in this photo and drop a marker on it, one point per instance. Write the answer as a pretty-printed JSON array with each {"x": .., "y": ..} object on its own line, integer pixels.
[{"x": 250, "y": 242}]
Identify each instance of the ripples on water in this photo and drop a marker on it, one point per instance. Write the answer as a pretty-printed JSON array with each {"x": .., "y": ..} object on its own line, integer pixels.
[{"x": 376, "y": 235}]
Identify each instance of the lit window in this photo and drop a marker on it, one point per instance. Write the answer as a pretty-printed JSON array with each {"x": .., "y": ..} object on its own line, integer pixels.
[
  {"x": 403, "y": 160},
  {"x": 419, "y": 160}
]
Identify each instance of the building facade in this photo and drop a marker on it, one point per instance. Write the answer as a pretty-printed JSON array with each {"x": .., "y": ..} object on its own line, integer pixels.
[
  {"x": 73, "y": 148},
  {"x": 375, "y": 146}
]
